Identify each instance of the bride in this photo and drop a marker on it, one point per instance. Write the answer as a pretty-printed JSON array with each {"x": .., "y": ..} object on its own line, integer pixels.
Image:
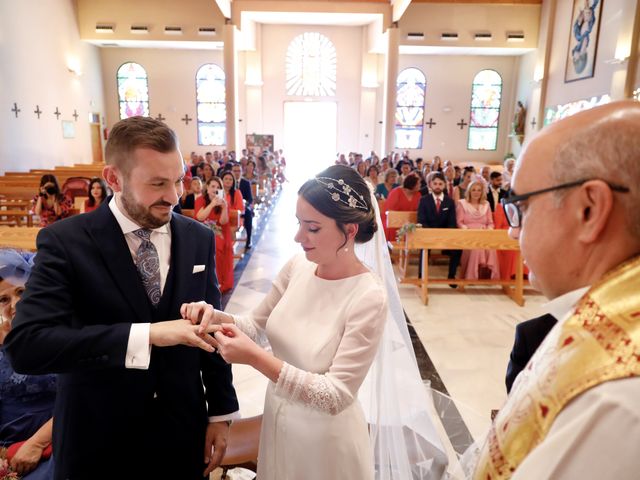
[{"x": 345, "y": 398}]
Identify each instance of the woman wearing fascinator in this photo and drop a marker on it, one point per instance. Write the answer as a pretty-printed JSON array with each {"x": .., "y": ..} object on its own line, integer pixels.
[
  {"x": 341, "y": 363},
  {"x": 26, "y": 401}
]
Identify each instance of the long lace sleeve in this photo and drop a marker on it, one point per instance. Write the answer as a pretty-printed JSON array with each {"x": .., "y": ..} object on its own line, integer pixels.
[
  {"x": 254, "y": 323},
  {"x": 333, "y": 391}
]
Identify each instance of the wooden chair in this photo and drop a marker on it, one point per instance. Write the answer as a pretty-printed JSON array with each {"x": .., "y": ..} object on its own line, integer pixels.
[
  {"x": 242, "y": 449},
  {"x": 397, "y": 219}
]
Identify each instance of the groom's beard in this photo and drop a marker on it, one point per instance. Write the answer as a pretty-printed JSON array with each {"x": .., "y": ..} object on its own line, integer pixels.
[{"x": 142, "y": 215}]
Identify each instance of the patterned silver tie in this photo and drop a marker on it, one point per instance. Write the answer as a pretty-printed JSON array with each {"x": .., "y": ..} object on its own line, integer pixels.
[{"x": 148, "y": 265}]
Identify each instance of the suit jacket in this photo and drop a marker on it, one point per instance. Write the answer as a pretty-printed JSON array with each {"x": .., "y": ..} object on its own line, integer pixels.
[
  {"x": 501, "y": 194},
  {"x": 430, "y": 218},
  {"x": 74, "y": 319},
  {"x": 245, "y": 190},
  {"x": 529, "y": 336}
]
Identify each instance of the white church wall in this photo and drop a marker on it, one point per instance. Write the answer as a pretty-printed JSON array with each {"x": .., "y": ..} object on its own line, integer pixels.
[
  {"x": 39, "y": 41},
  {"x": 172, "y": 87},
  {"x": 448, "y": 100}
]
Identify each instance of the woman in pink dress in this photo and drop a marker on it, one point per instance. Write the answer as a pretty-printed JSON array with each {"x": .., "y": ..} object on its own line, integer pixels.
[
  {"x": 474, "y": 212},
  {"x": 404, "y": 199}
]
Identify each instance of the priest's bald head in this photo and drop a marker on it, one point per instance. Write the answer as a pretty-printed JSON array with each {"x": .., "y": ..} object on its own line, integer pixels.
[{"x": 576, "y": 186}]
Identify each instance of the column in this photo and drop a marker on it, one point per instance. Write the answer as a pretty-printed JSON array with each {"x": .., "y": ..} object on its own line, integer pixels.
[
  {"x": 390, "y": 79},
  {"x": 231, "y": 85}
]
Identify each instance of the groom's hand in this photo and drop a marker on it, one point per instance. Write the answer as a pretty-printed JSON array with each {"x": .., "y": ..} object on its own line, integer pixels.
[
  {"x": 215, "y": 445},
  {"x": 180, "y": 332}
]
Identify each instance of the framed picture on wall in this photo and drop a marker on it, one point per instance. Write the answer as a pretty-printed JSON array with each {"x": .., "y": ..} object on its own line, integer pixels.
[
  {"x": 68, "y": 129},
  {"x": 583, "y": 39}
]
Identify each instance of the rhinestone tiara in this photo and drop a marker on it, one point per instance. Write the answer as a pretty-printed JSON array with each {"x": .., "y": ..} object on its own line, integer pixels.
[{"x": 340, "y": 191}]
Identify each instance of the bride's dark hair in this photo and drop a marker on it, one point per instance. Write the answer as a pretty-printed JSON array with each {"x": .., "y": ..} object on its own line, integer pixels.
[{"x": 321, "y": 197}]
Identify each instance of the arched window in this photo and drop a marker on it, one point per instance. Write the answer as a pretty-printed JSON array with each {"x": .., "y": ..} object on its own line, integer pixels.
[
  {"x": 411, "y": 88},
  {"x": 485, "y": 110},
  {"x": 311, "y": 66},
  {"x": 210, "y": 105},
  {"x": 133, "y": 90}
]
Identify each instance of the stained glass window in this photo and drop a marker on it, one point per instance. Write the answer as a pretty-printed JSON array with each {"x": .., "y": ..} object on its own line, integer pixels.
[
  {"x": 485, "y": 110},
  {"x": 210, "y": 105},
  {"x": 311, "y": 66},
  {"x": 411, "y": 86},
  {"x": 133, "y": 90}
]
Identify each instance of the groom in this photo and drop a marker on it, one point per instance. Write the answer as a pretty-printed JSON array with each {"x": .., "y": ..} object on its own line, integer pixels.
[{"x": 140, "y": 394}]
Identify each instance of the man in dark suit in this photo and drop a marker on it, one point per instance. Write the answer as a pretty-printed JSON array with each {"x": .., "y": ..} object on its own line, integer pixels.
[
  {"x": 438, "y": 210},
  {"x": 139, "y": 395},
  {"x": 529, "y": 336},
  {"x": 495, "y": 192},
  {"x": 244, "y": 186}
]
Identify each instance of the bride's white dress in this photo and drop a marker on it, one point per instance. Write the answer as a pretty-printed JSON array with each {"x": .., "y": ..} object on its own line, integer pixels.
[{"x": 327, "y": 333}]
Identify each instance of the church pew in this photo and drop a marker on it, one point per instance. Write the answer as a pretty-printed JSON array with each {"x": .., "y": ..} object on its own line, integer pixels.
[
  {"x": 460, "y": 239},
  {"x": 16, "y": 217},
  {"x": 23, "y": 238}
]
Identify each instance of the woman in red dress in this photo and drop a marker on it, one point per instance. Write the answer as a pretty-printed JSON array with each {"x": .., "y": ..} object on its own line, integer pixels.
[
  {"x": 404, "y": 199},
  {"x": 97, "y": 194},
  {"x": 212, "y": 208}
]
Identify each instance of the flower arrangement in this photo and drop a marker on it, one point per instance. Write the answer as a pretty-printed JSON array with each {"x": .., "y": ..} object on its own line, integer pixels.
[
  {"x": 6, "y": 473},
  {"x": 217, "y": 230},
  {"x": 404, "y": 229}
]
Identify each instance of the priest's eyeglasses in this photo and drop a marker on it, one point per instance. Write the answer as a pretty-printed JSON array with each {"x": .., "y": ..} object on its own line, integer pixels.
[{"x": 512, "y": 209}]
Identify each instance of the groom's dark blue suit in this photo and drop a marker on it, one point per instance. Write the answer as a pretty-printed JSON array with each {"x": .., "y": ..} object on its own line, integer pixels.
[{"x": 74, "y": 319}]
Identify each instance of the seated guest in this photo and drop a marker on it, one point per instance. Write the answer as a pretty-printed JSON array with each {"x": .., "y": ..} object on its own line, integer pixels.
[
  {"x": 473, "y": 212},
  {"x": 50, "y": 204},
  {"x": 403, "y": 199},
  {"x": 26, "y": 401},
  {"x": 449, "y": 176},
  {"x": 97, "y": 194},
  {"x": 495, "y": 193},
  {"x": 507, "y": 259},
  {"x": 405, "y": 169},
  {"x": 189, "y": 201},
  {"x": 465, "y": 180},
  {"x": 438, "y": 210},
  {"x": 250, "y": 172},
  {"x": 372, "y": 177},
  {"x": 529, "y": 336},
  {"x": 212, "y": 208},
  {"x": 390, "y": 182}
]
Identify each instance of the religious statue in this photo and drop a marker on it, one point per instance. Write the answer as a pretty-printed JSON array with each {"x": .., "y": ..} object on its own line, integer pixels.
[{"x": 518, "y": 122}]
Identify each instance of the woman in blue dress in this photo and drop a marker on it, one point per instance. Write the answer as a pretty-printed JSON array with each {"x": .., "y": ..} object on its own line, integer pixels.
[{"x": 26, "y": 401}]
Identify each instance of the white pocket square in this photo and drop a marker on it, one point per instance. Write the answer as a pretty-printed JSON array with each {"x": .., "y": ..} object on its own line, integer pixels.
[{"x": 198, "y": 268}]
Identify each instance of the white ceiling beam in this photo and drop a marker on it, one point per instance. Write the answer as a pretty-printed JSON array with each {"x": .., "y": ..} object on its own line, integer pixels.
[
  {"x": 225, "y": 7},
  {"x": 399, "y": 7}
]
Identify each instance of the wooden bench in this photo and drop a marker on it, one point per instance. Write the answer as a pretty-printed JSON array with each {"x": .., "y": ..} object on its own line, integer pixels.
[
  {"x": 23, "y": 238},
  {"x": 460, "y": 239},
  {"x": 17, "y": 217}
]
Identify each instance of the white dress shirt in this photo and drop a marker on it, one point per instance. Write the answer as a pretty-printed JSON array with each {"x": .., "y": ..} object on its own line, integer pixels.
[
  {"x": 138, "y": 349},
  {"x": 594, "y": 436}
]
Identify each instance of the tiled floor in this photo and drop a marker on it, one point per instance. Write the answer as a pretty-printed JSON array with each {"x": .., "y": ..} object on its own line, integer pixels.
[{"x": 467, "y": 336}]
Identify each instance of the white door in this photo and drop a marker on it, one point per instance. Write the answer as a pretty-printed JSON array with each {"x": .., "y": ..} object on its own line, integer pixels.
[{"x": 310, "y": 131}]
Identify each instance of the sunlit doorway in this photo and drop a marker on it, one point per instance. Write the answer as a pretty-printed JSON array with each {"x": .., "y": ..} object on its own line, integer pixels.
[{"x": 310, "y": 131}]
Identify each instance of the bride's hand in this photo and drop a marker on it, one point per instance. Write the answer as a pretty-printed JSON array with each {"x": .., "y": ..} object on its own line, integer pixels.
[
  {"x": 201, "y": 313},
  {"x": 234, "y": 346}
]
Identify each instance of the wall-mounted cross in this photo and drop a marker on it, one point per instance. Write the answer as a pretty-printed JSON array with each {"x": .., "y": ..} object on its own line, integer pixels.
[
  {"x": 462, "y": 123},
  {"x": 15, "y": 109},
  {"x": 75, "y": 114},
  {"x": 160, "y": 117},
  {"x": 37, "y": 111},
  {"x": 431, "y": 123},
  {"x": 57, "y": 113},
  {"x": 186, "y": 119},
  {"x": 533, "y": 123}
]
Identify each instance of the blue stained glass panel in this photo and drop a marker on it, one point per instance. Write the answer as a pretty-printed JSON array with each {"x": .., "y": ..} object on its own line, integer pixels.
[
  {"x": 411, "y": 87},
  {"x": 210, "y": 105},
  {"x": 133, "y": 90},
  {"x": 484, "y": 115}
]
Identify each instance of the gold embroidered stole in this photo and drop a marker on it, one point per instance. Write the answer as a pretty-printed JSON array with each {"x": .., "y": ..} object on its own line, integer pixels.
[{"x": 599, "y": 343}]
